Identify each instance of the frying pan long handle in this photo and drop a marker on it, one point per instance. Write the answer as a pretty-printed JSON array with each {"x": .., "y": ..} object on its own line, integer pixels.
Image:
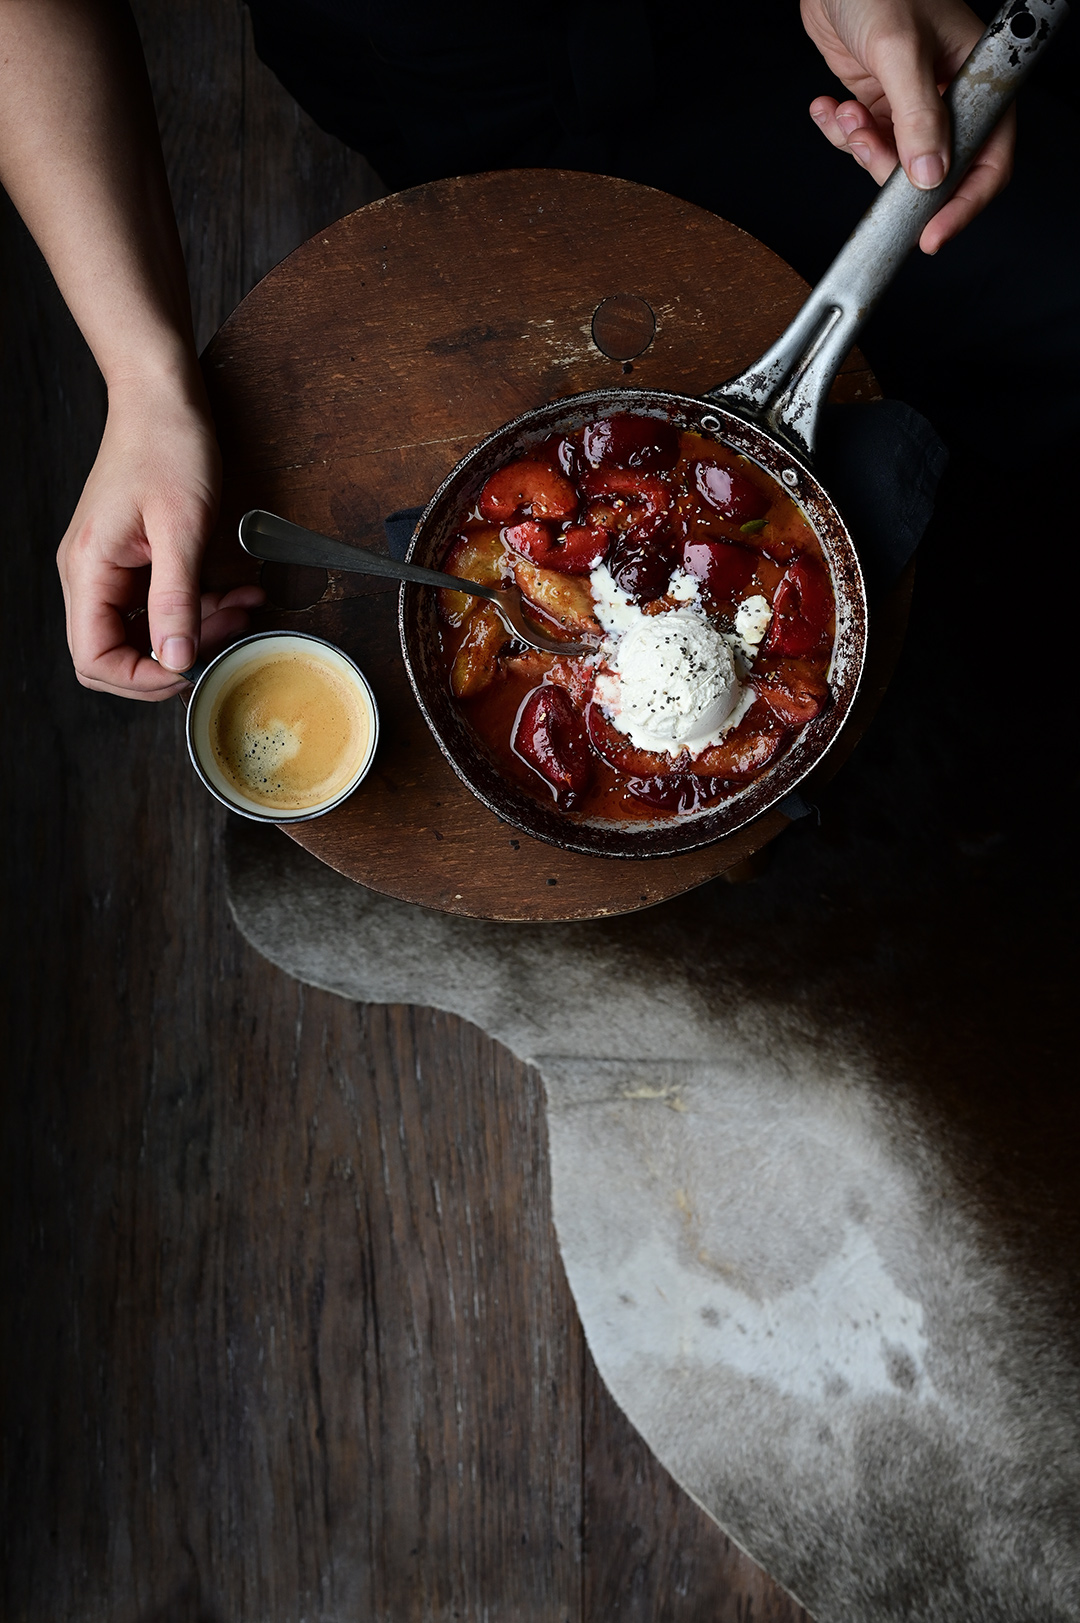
[{"x": 785, "y": 389}]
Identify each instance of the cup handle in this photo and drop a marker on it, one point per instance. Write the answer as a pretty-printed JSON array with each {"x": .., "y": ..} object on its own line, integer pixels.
[{"x": 192, "y": 674}]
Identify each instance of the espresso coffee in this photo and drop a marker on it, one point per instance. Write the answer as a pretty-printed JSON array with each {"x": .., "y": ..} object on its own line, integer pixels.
[{"x": 288, "y": 730}]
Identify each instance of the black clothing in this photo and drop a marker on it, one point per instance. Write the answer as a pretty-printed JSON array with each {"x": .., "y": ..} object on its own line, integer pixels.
[{"x": 427, "y": 90}]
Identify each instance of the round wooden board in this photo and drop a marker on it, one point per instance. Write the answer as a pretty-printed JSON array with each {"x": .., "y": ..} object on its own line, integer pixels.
[{"x": 349, "y": 382}]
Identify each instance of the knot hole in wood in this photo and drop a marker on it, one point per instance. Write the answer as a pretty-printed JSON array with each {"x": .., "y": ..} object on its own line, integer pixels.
[{"x": 623, "y": 326}]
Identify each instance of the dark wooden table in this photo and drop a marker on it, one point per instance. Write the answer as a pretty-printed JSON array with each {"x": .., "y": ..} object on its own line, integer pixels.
[
  {"x": 350, "y": 381},
  {"x": 285, "y": 1332}
]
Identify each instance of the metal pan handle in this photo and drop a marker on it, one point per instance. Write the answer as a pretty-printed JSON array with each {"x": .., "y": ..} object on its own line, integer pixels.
[{"x": 785, "y": 389}]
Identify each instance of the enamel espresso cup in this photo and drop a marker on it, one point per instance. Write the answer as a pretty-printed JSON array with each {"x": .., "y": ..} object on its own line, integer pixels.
[{"x": 282, "y": 727}]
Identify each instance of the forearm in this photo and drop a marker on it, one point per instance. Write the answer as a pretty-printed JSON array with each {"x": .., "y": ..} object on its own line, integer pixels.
[{"x": 81, "y": 160}]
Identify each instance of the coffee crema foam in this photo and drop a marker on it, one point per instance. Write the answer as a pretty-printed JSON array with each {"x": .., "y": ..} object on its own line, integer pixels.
[{"x": 289, "y": 731}]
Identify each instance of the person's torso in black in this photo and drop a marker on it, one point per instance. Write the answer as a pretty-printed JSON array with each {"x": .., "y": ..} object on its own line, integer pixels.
[{"x": 426, "y": 90}]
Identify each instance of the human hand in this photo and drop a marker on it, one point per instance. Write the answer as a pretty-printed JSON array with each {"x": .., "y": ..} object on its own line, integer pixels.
[
  {"x": 129, "y": 562},
  {"x": 896, "y": 56}
]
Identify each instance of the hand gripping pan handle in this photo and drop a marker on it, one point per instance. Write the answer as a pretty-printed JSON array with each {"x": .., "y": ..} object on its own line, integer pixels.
[{"x": 784, "y": 391}]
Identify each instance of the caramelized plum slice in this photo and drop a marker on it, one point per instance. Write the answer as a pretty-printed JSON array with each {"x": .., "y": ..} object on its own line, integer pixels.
[
  {"x": 568, "y": 455},
  {"x": 479, "y": 556},
  {"x": 577, "y": 676},
  {"x": 632, "y": 442},
  {"x": 651, "y": 495},
  {"x": 527, "y": 489},
  {"x": 476, "y": 662},
  {"x": 641, "y": 562},
  {"x": 529, "y": 664},
  {"x": 731, "y": 492},
  {"x": 724, "y": 570},
  {"x": 793, "y": 696},
  {"x": 565, "y": 600},
  {"x": 586, "y": 544},
  {"x": 778, "y": 548},
  {"x": 575, "y": 550},
  {"x": 802, "y": 611},
  {"x": 746, "y": 749},
  {"x": 642, "y": 555},
  {"x": 616, "y": 749},
  {"x": 682, "y": 792},
  {"x": 548, "y": 736}
]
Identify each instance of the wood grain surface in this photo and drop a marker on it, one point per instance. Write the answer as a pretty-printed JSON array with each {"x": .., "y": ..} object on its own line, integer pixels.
[
  {"x": 285, "y": 1333},
  {"x": 353, "y": 378}
]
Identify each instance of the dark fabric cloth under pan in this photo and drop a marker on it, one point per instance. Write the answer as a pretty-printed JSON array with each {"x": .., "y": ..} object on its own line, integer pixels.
[{"x": 712, "y": 107}]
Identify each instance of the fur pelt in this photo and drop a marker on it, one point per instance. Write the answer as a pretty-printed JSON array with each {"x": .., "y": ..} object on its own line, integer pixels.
[{"x": 815, "y": 1217}]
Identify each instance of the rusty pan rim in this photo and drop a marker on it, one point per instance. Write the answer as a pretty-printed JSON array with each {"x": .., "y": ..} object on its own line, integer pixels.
[{"x": 462, "y": 749}]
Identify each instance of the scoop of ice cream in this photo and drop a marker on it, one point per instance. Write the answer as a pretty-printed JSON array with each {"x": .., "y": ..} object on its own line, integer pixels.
[
  {"x": 752, "y": 620},
  {"x": 614, "y": 610},
  {"x": 673, "y": 685}
]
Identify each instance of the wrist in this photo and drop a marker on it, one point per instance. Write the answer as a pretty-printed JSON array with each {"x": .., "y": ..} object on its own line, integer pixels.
[{"x": 166, "y": 374}]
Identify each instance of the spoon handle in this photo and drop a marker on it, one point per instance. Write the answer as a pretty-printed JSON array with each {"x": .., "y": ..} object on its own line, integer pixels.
[{"x": 279, "y": 541}]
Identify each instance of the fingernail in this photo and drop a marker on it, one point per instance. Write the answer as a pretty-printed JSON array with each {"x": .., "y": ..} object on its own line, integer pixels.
[
  {"x": 819, "y": 114},
  {"x": 927, "y": 171},
  {"x": 859, "y": 151},
  {"x": 177, "y": 653},
  {"x": 848, "y": 122}
]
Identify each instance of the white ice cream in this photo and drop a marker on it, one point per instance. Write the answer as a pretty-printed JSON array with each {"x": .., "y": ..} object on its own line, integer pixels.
[
  {"x": 670, "y": 681},
  {"x": 671, "y": 685},
  {"x": 616, "y": 612},
  {"x": 752, "y": 620},
  {"x": 684, "y": 588}
]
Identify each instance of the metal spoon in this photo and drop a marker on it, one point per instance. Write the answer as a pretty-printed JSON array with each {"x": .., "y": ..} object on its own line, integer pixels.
[{"x": 265, "y": 535}]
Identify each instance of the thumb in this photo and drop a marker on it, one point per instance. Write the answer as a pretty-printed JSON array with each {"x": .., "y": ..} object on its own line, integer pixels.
[
  {"x": 919, "y": 116},
  {"x": 173, "y": 602}
]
